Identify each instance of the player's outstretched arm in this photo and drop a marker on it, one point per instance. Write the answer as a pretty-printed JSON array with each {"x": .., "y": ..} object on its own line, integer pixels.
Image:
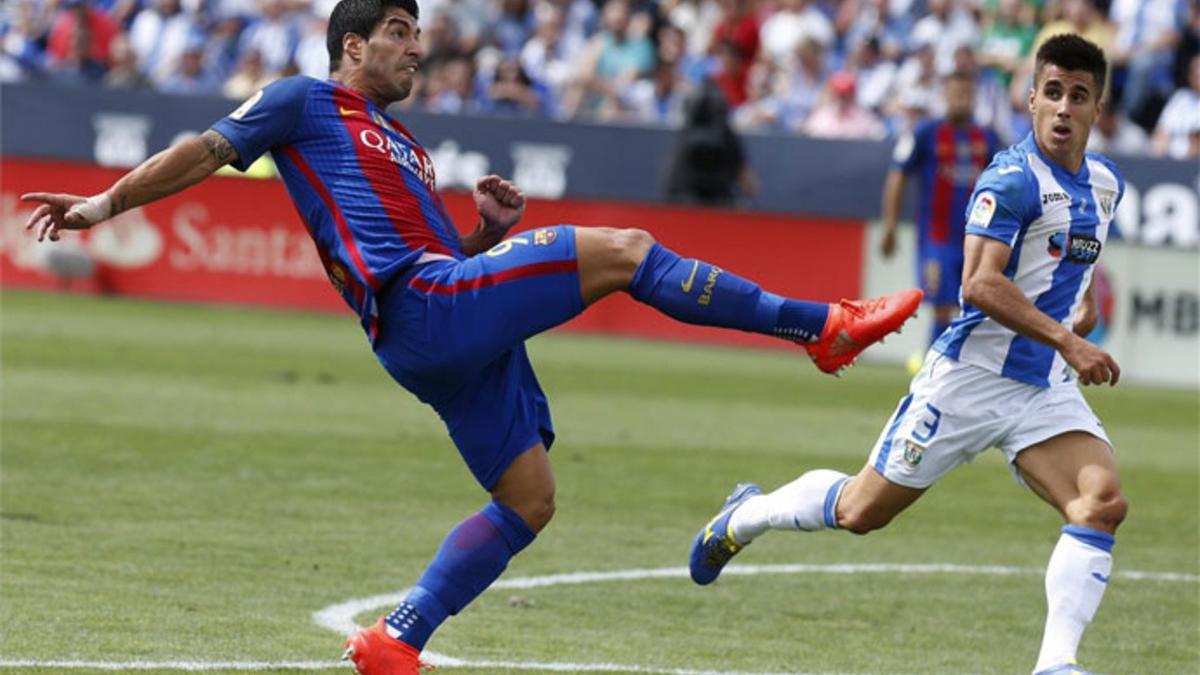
[
  {"x": 172, "y": 170},
  {"x": 893, "y": 198},
  {"x": 501, "y": 204},
  {"x": 985, "y": 286}
]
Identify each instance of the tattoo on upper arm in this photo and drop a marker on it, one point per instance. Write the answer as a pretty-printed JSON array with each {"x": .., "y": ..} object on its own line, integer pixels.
[{"x": 219, "y": 147}]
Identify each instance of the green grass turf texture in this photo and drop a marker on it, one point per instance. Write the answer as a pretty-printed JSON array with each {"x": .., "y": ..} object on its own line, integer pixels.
[{"x": 190, "y": 483}]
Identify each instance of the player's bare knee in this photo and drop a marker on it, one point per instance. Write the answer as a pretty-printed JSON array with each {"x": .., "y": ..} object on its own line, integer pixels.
[
  {"x": 537, "y": 509},
  {"x": 1103, "y": 512},
  {"x": 629, "y": 247},
  {"x": 541, "y": 512},
  {"x": 1109, "y": 512}
]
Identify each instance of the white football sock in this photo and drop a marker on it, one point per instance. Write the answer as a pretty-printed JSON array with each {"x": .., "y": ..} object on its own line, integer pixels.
[
  {"x": 1075, "y": 581},
  {"x": 803, "y": 504}
]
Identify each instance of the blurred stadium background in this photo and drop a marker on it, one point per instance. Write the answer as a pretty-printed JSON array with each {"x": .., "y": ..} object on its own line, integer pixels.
[{"x": 174, "y": 477}]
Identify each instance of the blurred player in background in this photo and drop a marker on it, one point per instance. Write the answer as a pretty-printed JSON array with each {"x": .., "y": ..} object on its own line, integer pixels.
[
  {"x": 1001, "y": 375},
  {"x": 448, "y": 316},
  {"x": 947, "y": 154}
]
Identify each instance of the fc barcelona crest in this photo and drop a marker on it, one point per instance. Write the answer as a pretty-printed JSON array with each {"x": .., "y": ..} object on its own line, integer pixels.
[{"x": 544, "y": 237}]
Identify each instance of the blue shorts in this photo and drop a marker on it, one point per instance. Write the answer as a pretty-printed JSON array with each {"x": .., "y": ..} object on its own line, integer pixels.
[
  {"x": 452, "y": 332},
  {"x": 939, "y": 273}
]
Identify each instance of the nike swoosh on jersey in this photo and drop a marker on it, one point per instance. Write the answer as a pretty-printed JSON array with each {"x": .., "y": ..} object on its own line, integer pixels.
[
  {"x": 347, "y": 111},
  {"x": 1010, "y": 169},
  {"x": 1100, "y": 577},
  {"x": 687, "y": 285}
]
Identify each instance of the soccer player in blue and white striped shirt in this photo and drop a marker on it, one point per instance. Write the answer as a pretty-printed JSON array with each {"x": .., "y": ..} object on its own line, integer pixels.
[{"x": 1006, "y": 373}]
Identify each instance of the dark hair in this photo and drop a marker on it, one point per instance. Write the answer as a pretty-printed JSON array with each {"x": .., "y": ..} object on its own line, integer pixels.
[
  {"x": 1071, "y": 52},
  {"x": 962, "y": 75},
  {"x": 359, "y": 17}
]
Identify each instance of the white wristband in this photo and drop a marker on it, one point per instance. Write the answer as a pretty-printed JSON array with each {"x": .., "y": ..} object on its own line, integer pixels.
[{"x": 93, "y": 209}]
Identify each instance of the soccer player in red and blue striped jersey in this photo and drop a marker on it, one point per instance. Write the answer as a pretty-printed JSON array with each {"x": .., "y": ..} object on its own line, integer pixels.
[
  {"x": 447, "y": 316},
  {"x": 947, "y": 154}
]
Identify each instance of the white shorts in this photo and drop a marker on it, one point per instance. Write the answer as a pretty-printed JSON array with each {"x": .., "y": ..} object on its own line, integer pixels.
[{"x": 954, "y": 411}]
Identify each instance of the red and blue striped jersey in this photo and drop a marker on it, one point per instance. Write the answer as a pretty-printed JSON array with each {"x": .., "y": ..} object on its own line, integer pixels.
[
  {"x": 948, "y": 159},
  {"x": 360, "y": 181}
]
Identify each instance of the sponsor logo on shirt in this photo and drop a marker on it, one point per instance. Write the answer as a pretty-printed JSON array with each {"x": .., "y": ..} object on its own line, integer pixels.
[
  {"x": 1077, "y": 248},
  {"x": 1054, "y": 198},
  {"x": 400, "y": 153},
  {"x": 984, "y": 209}
]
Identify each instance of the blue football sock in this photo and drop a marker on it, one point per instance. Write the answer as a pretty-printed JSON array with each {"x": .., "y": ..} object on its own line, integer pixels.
[
  {"x": 471, "y": 557},
  {"x": 697, "y": 292}
]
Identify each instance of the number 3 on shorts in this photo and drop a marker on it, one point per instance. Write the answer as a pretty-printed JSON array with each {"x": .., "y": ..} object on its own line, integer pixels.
[
  {"x": 506, "y": 246},
  {"x": 926, "y": 428}
]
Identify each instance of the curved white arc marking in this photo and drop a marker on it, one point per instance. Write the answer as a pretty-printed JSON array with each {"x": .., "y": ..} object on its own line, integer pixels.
[{"x": 340, "y": 617}]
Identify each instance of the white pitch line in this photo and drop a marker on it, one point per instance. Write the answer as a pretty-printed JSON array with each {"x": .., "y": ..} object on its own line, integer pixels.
[
  {"x": 190, "y": 666},
  {"x": 340, "y": 618}
]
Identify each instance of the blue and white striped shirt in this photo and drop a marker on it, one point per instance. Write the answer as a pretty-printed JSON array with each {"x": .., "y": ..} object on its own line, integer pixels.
[{"x": 1056, "y": 223}]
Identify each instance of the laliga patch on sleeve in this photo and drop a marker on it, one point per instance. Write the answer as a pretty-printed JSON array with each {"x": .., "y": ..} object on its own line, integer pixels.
[
  {"x": 245, "y": 107},
  {"x": 984, "y": 209}
]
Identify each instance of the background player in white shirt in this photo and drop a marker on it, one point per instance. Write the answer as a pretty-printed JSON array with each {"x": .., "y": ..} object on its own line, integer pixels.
[{"x": 1004, "y": 373}]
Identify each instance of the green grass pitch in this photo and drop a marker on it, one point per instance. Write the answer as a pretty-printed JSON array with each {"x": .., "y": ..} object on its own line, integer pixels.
[{"x": 185, "y": 483}]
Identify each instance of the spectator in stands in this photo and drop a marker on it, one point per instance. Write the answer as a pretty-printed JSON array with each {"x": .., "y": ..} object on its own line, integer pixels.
[
  {"x": 1178, "y": 132},
  {"x": 512, "y": 25},
  {"x": 222, "y": 51},
  {"x": 547, "y": 58},
  {"x": 75, "y": 17},
  {"x": 192, "y": 77},
  {"x": 696, "y": 18},
  {"x": 708, "y": 165},
  {"x": 249, "y": 77},
  {"x": 21, "y": 41},
  {"x": 763, "y": 109},
  {"x": 803, "y": 83},
  {"x": 947, "y": 26},
  {"x": 123, "y": 70},
  {"x": 158, "y": 35},
  {"x": 1147, "y": 33},
  {"x": 735, "y": 45},
  {"x": 840, "y": 115},
  {"x": 874, "y": 75},
  {"x": 452, "y": 87},
  {"x": 1006, "y": 40},
  {"x": 512, "y": 92},
  {"x": 312, "y": 56},
  {"x": 615, "y": 57},
  {"x": 1115, "y": 134},
  {"x": 659, "y": 99},
  {"x": 441, "y": 40},
  {"x": 274, "y": 35},
  {"x": 79, "y": 65},
  {"x": 794, "y": 21},
  {"x": 917, "y": 78},
  {"x": 886, "y": 22}
]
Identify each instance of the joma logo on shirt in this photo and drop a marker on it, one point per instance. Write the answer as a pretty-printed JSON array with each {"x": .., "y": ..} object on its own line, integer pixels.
[{"x": 1053, "y": 197}]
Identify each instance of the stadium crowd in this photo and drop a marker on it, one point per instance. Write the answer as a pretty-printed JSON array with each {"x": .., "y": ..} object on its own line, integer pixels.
[{"x": 826, "y": 68}]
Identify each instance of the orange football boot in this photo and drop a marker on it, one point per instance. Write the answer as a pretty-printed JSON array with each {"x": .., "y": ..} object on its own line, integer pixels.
[
  {"x": 854, "y": 325},
  {"x": 374, "y": 652}
]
